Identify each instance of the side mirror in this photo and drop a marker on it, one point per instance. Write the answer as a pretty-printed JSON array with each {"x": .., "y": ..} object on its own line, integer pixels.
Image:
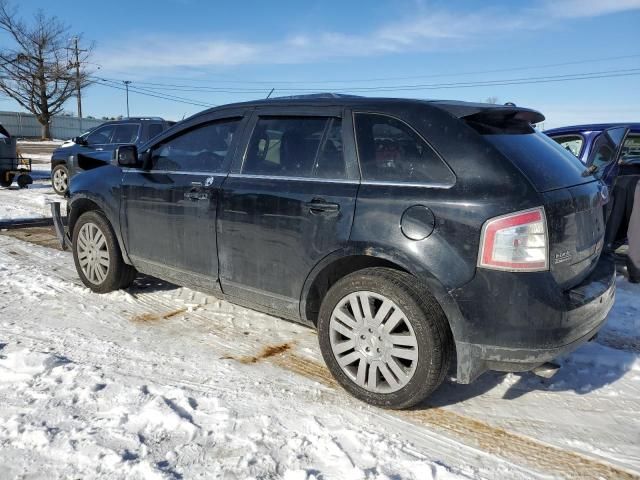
[
  {"x": 79, "y": 141},
  {"x": 127, "y": 156}
]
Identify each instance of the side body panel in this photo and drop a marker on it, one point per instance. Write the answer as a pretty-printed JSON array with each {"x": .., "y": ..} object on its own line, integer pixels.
[{"x": 270, "y": 237}]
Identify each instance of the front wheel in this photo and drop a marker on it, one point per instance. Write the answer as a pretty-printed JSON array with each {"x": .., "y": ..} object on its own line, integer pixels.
[
  {"x": 97, "y": 255},
  {"x": 384, "y": 338},
  {"x": 60, "y": 179}
]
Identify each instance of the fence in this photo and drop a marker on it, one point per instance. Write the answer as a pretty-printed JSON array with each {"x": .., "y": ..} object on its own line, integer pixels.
[{"x": 25, "y": 125}]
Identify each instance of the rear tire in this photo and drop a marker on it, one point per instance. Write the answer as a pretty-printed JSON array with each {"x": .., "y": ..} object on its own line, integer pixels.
[
  {"x": 24, "y": 180},
  {"x": 97, "y": 254},
  {"x": 396, "y": 348},
  {"x": 60, "y": 179},
  {"x": 6, "y": 179}
]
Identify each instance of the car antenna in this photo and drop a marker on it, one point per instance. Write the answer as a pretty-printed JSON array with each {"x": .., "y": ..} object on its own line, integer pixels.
[{"x": 272, "y": 90}]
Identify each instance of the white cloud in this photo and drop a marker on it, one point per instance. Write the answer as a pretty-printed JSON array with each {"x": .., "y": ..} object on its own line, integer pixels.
[
  {"x": 427, "y": 30},
  {"x": 588, "y": 8}
]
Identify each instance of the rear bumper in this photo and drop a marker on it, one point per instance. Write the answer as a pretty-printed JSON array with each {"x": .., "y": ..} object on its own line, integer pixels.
[{"x": 527, "y": 320}]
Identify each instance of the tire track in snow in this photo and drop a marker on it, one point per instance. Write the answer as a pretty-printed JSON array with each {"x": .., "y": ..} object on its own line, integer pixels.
[
  {"x": 513, "y": 448},
  {"x": 497, "y": 441}
]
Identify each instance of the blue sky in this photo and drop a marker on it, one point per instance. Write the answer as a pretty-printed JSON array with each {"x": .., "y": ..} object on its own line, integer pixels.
[{"x": 219, "y": 52}]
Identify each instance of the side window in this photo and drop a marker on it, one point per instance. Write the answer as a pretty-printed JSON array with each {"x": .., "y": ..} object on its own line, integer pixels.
[
  {"x": 201, "y": 149},
  {"x": 631, "y": 147},
  {"x": 155, "y": 129},
  {"x": 296, "y": 147},
  {"x": 390, "y": 150},
  {"x": 126, "y": 133},
  {"x": 573, "y": 143},
  {"x": 100, "y": 135}
]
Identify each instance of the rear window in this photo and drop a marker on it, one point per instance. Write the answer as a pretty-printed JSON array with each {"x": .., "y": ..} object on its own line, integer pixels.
[{"x": 545, "y": 163}]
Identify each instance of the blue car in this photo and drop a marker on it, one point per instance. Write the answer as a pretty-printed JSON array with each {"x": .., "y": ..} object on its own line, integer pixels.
[
  {"x": 606, "y": 149},
  {"x": 99, "y": 144}
]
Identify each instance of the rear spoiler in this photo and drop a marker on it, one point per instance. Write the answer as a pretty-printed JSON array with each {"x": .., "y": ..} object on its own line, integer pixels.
[{"x": 487, "y": 111}]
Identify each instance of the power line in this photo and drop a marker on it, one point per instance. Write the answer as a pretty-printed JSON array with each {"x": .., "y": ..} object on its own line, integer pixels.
[
  {"x": 405, "y": 87},
  {"x": 157, "y": 92},
  {"x": 163, "y": 97},
  {"x": 271, "y": 83}
]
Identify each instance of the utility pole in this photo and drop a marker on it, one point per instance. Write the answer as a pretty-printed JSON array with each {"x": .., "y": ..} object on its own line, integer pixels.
[
  {"x": 78, "y": 83},
  {"x": 126, "y": 85}
]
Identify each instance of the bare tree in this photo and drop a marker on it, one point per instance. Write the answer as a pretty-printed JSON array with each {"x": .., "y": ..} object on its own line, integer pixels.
[
  {"x": 492, "y": 100},
  {"x": 37, "y": 72}
]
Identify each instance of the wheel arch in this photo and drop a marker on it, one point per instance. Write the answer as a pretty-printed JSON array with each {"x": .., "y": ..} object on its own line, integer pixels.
[
  {"x": 342, "y": 263},
  {"x": 83, "y": 203}
]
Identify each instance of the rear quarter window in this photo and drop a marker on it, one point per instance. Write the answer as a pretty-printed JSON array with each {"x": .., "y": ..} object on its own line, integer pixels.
[{"x": 392, "y": 151}]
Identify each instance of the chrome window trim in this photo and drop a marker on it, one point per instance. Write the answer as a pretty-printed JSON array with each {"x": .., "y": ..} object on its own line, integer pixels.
[
  {"x": 296, "y": 179},
  {"x": 387, "y": 183}
]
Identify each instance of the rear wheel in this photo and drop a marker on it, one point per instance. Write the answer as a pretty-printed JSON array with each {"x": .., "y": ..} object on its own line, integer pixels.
[
  {"x": 24, "y": 180},
  {"x": 384, "y": 337},
  {"x": 97, "y": 255},
  {"x": 6, "y": 179},
  {"x": 60, "y": 179}
]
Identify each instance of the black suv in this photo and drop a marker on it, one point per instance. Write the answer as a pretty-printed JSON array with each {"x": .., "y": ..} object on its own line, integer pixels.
[
  {"x": 412, "y": 234},
  {"x": 99, "y": 144}
]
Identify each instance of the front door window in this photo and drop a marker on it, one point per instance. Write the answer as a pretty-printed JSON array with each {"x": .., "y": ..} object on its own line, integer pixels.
[{"x": 202, "y": 149}]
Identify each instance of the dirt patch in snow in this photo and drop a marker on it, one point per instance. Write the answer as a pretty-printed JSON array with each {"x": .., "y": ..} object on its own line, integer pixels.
[
  {"x": 43, "y": 236},
  {"x": 154, "y": 317},
  {"x": 267, "y": 352}
]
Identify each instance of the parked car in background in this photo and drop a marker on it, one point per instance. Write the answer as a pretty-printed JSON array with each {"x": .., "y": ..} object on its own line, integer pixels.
[
  {"x": 590, "y": 145},
  {"x": 412, "y": 234},
  {"x": 99, "y": 144}
]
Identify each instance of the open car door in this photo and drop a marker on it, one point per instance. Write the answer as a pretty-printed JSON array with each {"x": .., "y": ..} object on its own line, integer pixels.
[{"x": 603, "y": 161}]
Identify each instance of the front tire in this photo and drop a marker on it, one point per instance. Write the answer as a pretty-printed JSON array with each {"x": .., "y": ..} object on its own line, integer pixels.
[
  {"x": 384, "y": 337},
  {"x": 97, "y": 254},
  {"x": 60, "y": 179}
]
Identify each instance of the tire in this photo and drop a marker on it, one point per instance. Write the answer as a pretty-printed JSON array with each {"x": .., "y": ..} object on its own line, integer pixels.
[
  {"x": 60, "y": 179},
  {"x": 413, "y": 343},
  {"x": 97, "y": 254},
  {"x": 24, "y": 180},
  {"x": 5, "y": 179}
]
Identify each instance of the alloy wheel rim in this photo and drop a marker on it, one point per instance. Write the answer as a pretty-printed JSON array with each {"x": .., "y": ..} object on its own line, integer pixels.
[
  {"x": 373, "y": 342},
  {"x": 59, "y": 180},
  {"x": 93, "y": 253}
]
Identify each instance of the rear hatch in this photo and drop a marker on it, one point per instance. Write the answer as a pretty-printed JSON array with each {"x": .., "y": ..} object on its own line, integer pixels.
[{"x": 573, "y": 199}]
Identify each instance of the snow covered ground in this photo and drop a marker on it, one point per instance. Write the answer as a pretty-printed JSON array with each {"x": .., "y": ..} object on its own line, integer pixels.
[
  {"x": 31, "y": 203},
  {"x": 164, "y": 382}
]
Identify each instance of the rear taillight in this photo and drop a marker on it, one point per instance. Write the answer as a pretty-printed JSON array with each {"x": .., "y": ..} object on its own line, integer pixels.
[{"x": 516, "y": 242}]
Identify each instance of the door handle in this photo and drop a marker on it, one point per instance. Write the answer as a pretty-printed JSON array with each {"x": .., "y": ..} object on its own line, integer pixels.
[{"x": 319, "y": 205}]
